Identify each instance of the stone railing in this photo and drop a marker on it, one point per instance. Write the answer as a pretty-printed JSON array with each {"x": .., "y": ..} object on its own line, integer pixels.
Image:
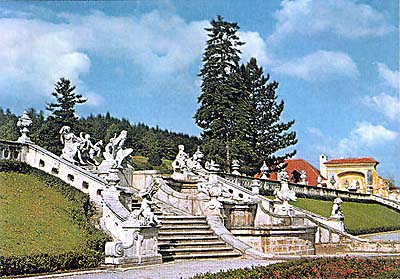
[
  {"x": 76, "y": 176},
  {"x": 42, "y": 159},
  {"x": 134, "y": 242},
  {"x": 387, "y": 202},
  {"x": 311, "y": 191},
  {"x": 10, "y": 150},
  {"x": 329, "y": 238}
]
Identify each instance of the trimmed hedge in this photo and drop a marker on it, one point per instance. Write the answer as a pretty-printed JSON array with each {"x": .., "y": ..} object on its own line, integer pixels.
[
  {"x": 316, "y": 268},
  {"x": 42, "y": 263},
  {"x": 81, "y": 211}
]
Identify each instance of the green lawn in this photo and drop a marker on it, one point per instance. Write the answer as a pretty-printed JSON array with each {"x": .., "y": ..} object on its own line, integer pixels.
[
  {"x": 35, "y": 218},
  {"x": 359, "y": 217}
]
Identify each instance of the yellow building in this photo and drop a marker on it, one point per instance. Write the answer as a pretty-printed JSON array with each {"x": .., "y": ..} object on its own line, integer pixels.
[{"x": 353, "y": 174}]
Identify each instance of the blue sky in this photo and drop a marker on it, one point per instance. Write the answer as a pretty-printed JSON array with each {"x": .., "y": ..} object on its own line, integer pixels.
[{"x": 337, "y": 62}]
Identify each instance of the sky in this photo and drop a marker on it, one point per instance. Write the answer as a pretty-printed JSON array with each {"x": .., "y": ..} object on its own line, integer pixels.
[{"x": 337, "y": 62}]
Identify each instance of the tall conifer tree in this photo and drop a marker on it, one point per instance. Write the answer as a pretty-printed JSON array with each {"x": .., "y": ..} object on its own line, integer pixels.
[
  {"x": 267, "y": 134},
  {"x": 63, "y": 113},
  {"x": 220, "y": 91}
]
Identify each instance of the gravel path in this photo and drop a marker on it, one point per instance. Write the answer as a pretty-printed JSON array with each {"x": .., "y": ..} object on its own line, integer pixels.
[{"x": 173, "y": 270}]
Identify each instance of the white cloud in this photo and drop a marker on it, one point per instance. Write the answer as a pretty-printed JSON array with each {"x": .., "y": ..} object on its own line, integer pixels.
[
  {"x": 392, "y": 78},
  {"x": 345, "y": 18},
  {"x": 364, "y": 134},
  {"x": 37, "y": 53},
  {"x": 386, "y": 104},
  {"x": 315, "y": 132},
  {"x": 255, "y": 46},
  {"x": 163, "y": 48},
  {"x": 319, "y": 65}
]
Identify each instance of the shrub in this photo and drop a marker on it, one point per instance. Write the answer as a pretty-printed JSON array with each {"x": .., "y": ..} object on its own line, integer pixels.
[{"x": 316, "y": 268}]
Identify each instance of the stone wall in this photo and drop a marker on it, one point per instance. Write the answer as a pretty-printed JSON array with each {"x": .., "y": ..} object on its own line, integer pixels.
[{"x": 279, "y": 241}]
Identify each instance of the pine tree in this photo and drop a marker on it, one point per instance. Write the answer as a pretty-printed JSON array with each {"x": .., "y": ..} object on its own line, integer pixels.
[
  {"x": 63, "y": 113},
  {"x": 216, "y": 115},
  {"x": 63, "y": 110},
  {"x": 267, "y": 134}
]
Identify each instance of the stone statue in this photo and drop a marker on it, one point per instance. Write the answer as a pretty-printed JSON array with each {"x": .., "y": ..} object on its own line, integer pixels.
[
  {"x": 264, "y": 171},
  {"x": 95, "y": 151},
  {"x": 71, "y": 145},
  {"x": 184, "y": 166},
  {"x": 180, "y": 160},
  {"x": 145, "y": 214},
  {"x": 285, "y": 194},
  {"x": 23, "y": 123},
  {"x": 197, "y": 158},
  {"x": 114, "y": 153},
  {"x": 215, "y": 191},
  {"x": 283, "y": 176},
  {"x": 303, "y": 177},
  {"x": 336, "y": 209},
  {"x": 212, "y": 166}
]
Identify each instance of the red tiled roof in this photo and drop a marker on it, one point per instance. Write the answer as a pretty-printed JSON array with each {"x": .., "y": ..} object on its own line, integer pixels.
[
  {"x": 299, "y": 165},
  {"x": 351, "y": 161}
]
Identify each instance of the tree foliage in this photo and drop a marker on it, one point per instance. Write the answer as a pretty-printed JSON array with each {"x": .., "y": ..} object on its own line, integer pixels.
[
  {"x": 268, "y": 134},
  {"x": 239, "y": 111},
  {"x": 220, "y": 91}
]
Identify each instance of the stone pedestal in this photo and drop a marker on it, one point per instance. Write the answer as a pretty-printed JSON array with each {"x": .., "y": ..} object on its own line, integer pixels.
[
  {"x": 139, "y": 246},
  {"x": 337, "y": 222},
  {"x": 283, "y": 208},
  {"x": 239, "y": 214},
  {"x": 183, "y": 186}
]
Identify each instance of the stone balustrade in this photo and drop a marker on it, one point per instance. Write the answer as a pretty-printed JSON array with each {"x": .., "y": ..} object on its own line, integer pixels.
[
  {"x": 10, "y": 150},
  {"x": 134, "y": 243},
  {"x": 311, "y": 191},
  {"x": 48, "y": 162}
]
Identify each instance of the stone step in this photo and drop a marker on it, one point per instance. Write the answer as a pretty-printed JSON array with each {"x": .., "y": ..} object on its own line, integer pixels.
[
  {"x": 208, "y": 250},
  {"x": 170, "y": 227},
  {"x": 182, "y": 217},
  {"x": 187, "y": 238},
  {"x": 189, "y": 232},
  {"x": 205, "y": 244},
  {"x": 183, "y": 222},
  {"x": 200, "y": 256}
]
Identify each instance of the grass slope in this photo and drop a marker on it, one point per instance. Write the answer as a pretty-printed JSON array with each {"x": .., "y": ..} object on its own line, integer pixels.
[
  {"x": 359, "y": 217},
  {"x": 35, "y": 218}
]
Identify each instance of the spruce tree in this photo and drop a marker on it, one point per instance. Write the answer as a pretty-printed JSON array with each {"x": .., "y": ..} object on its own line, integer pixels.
[
  {"x": 220, "y": 94},
  {"x": 267, "y": 134},
  {"x": 63, "y": 113},
  {"x": 63, "y": 110}
]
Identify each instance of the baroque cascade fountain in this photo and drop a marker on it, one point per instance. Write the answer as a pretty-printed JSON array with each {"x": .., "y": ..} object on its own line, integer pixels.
[{"x": 198, "y": 212}]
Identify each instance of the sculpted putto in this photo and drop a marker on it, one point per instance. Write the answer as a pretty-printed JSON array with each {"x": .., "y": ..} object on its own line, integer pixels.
[
  {"x": 185, "y": 166},
  {"x": 115, "y": 152},
  {"x": 80, "y": 149}
]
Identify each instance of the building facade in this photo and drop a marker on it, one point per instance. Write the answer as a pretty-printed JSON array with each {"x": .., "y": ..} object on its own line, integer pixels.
[{"x": 353, "y": 174}]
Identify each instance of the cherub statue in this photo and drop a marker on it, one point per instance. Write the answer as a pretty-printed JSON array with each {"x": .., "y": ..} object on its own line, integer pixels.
[
  {"x": 179, "y": 164},
  {"x": 336, "y": 209},
  {"x": 114, "y": 152}
]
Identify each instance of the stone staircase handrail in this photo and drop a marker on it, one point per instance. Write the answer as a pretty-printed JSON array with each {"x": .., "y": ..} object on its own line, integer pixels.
[
  {"x": 69, "y": 164},
  {"x": 312, "y": 190},
  {"x": 313, "y": 218}
]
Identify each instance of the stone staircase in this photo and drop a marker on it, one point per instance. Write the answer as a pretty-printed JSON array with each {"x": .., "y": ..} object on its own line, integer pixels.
[{"x": 190, "y": 237}]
